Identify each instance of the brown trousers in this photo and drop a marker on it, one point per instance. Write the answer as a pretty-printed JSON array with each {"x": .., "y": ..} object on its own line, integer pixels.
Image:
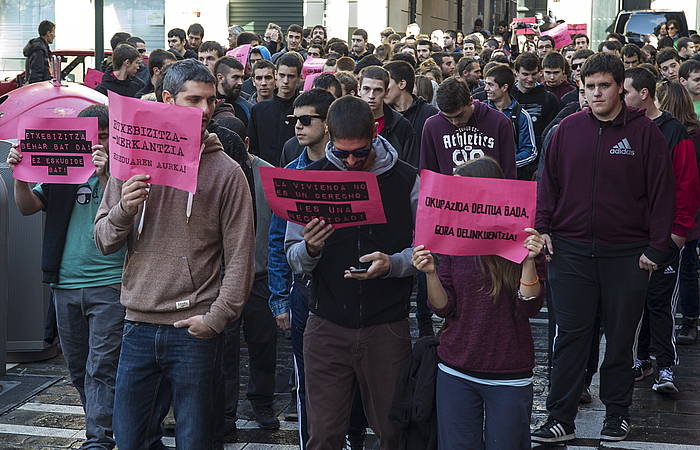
[{"x": 337, "y": 359}]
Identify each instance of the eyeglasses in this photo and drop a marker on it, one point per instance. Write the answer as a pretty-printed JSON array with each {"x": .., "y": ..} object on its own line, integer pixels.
[
  {"x": 141, "y": 50},
  {"x": 305, "y": 119},
  {"x": 576, "y": 66},
  {"x": 357, "y": 153},
  {"x": 542, "y": 47},
  {"x": 671, "y": 28}
]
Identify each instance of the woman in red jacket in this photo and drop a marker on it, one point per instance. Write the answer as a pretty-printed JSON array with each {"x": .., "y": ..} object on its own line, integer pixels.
[{"x": 486, "y": 354}]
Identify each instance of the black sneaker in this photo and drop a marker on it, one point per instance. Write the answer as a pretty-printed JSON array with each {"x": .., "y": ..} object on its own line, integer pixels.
[
  {"x": 553, "y": 431},
  {"x": 265, "y": 418},
  {"x": 615, "y": 428},
  {"x": 688, "y": 334},
  {"x": 664, "y": 382},
  {"x": 642, "y": 369}
]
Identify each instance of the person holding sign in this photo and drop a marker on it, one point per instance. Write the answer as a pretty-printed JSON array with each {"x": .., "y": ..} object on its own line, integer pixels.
[
  {"x": 361, "y": 281},
  {"x": 486, "y": 353},
  {"x": 177, "y": 303},
  {"x": 605, "y": 237},
  {"x": 85, "y": 284}
]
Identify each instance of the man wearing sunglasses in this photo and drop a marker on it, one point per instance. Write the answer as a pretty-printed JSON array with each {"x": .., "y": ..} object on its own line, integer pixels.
[
  {"x": 576, "y": 63},
  {"x": 359, "y": 329},
  {"x": 673, "y": 29}
]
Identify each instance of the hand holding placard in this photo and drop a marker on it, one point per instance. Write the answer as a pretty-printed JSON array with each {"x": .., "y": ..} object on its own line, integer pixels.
[
  {"x": 315, "y": 234},
  {"x": 134, "y": 193}
]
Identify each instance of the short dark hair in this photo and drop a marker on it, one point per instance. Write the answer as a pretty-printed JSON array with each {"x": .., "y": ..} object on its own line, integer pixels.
[
  {"x": 246, "y": 38},
  {"x": 610, "y": 45},
  {"x": 328, "y": 81},
  {"x": 630, "y": 50},
  {"x": 320, "y": 27},
  {"x": 230, "y": 62},
  {"x": 264, "y": 64},
  {"x": 453, "y": 94},
  {"x": 451, "y": 33},
  {"x": 99, "y": 111},
  {"x": 464, "y": 63},
  {"x": 402, "y": 71},
  {"x": 528, "y": 61},
  {"x": 469, "y": 41},
  {"x": 375, "y": 73},
  {"x": 688, "y": 67},
  {"x": 439, "y": 56},
  {"x": 45, "y": 27},
  {"x": 547, "y": 38},
  {"x": 617, "y": 36},
  {"x": 604, "y": 63},
  {"x": 653, "y": 69},
  {"x": 642, "y": 79},
  {"x": 319, "y": 98},
  {"x": 158, "y": 58},
  {"x": 180, "y": 72},
  {"x": 319, "y": 47},
  {"x": 212, "y": 46},
  {"x": 664, "y": 42},
  {"x": 424, "y": 42},
  {"x": 291, "y": 59},
  {"x": 554, "y": 60},
  {"x": 666, "y": 55},
  {"x": 118, "y": 38},
  {"x": 502, "y": 75},
  {"x": 338, "y": 47},
  {"x": 178, "y": 33},
  {"x": 366, "y": 61},
  {"x": 294, "y": 28},
  {"x": 683, "y": 43},
  {"x": 347, "y": 81},
  {"x": 133, "y": 40},
  {"x": 580, "y": 35},
  {"x": 405, "y": 57},
  {"x": 360, "y": 32},
  {"x": 673, "y": 22},
  {"x": 350, "y": 118},
  {"x": 345, "y": 63},
  {"x": 197, "y": 29},
  {"x": 122, "y": 53},
  {"x": 584, "y": 53}
]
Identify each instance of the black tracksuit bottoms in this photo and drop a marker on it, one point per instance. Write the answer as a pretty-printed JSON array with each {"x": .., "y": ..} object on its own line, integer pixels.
[
  {"x": 657, "y": 335},
  {"x": 581, "y": 286}
]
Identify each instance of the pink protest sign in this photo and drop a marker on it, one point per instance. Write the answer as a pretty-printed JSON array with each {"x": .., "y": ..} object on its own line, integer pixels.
[
  {"x": 561, "y": 35},
  {"x": 158, "y": 139},
  {"x": 343, "y": 199},
  {"x": 526, "y": 20},
  {"x": 240, "y": 53},
  {"x": 311, "y": 66},
  {"x": 577, "y": 28},
  {"x": 56, "y": 150},
  {"x": 464, "y": 216},
  {"x": 93, "y": 78},
  {"x": 309, "y": 80}
]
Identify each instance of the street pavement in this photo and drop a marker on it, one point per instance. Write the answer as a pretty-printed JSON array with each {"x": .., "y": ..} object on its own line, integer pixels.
[{"x": 53, "y": 418}]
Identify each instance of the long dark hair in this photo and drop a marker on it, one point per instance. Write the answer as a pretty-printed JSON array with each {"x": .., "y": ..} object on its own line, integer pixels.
[
  {"x": 504, "y": 274},
  {"x": 674, "y": 98}
]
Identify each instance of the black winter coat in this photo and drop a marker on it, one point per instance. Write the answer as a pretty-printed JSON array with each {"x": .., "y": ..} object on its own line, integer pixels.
[{"x": 36, "y": 66}]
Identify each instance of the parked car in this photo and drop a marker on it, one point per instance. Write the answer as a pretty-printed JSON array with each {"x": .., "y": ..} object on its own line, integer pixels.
[{"x": 635, "y": 25}]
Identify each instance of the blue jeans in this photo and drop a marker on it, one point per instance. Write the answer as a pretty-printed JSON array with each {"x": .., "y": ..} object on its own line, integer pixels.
[
  {"x": 90, "y": 328},
  {"x": 476, "y": 416},
  {"x": 157, "y": 363},
  {"x": 689, "y": 302}
]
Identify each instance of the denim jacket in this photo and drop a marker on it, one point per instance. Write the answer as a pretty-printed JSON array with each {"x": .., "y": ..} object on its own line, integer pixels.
[
  {"x": 525, "y": 145},
  {"x": 280, "y": 274}
]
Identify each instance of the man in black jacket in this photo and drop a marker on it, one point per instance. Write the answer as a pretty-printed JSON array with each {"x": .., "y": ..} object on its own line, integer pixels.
[
  {"x": 269, "y": 128},
  {"x": 358, "y": 333},
  {"x": 126, "y": 60},
  {"x": 391, "y": 125},
  {"x": 38, "y": 54}
]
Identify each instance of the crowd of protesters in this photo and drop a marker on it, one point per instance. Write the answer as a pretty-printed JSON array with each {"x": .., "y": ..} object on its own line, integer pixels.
[{"x": 153, "y": 285}]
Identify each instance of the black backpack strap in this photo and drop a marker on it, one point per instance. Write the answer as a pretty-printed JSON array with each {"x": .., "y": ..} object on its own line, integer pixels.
[{"x": 514, "y": 114}]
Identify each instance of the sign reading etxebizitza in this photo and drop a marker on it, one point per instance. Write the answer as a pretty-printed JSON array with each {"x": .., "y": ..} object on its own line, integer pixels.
[
  {"x": 157, "y": 139},
  {"x": 343, "y": 199},
  {"x": 56, "y": 150}
]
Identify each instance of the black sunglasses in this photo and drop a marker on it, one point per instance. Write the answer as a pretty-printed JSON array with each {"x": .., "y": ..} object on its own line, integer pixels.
[
  {"x": 305, "y": 119},
  {"x": 359, "y": 153},
  {"x": 141, "y": 50},
  {"x": 576, "y": 66}
]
